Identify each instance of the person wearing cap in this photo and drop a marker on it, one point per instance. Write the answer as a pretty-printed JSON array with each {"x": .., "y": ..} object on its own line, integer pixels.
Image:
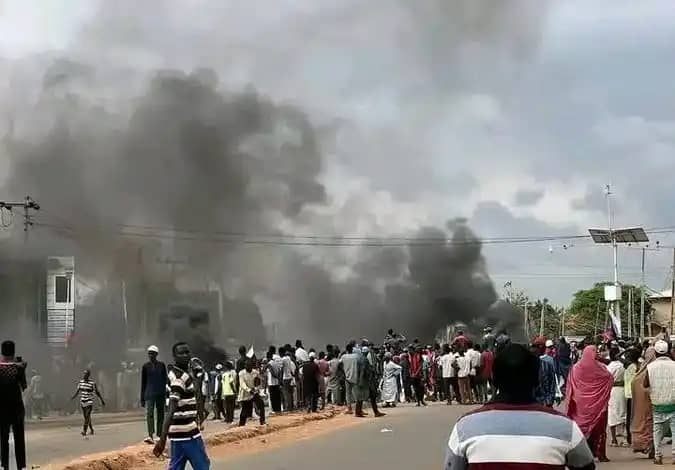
[
  {"x": 218, "y": 409},
  {"x": 545, "y": 391},
  {"x": 366, "y": 385},
  {"x": 310, "y": 382},
  {"x": 660, "y": 380},
  {"x": 154, "y": 378},
  {"x": 391, "y": 382}
]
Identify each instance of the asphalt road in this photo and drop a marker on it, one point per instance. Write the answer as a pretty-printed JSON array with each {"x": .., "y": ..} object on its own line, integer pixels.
[
  {"x": 64, "y": 443},
  {"x": 417, "y": 441},
  {"x": 414, "y": 438}
]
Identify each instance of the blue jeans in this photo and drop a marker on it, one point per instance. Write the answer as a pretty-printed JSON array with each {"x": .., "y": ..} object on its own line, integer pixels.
[{"x": 192, "y": 451}]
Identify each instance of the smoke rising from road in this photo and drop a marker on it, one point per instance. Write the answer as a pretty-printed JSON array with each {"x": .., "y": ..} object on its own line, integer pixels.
[{"x": 146, "y": 120}]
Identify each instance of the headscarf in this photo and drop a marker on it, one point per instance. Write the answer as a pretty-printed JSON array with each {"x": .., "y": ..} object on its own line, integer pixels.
[{"x": 588, "y": 389}]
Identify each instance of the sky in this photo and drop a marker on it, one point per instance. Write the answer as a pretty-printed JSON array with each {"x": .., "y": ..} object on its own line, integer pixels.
[{"x": 513, "y": 115}]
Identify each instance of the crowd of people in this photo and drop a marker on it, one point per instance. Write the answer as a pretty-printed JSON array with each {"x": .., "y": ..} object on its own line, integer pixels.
[
  {"x": 616, "y": 388},
  {"x": 610, "y": 388},
  {"x": 624, "y": 386}
]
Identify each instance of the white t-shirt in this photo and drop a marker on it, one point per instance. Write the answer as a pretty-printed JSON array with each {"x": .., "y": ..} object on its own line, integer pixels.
[
  {"x": 474, "y": 358},
  {"x": 288, "y": 368},
  {"x": 464, "y": 364},
  {"x": 301, "y": 355},
  {"x": 446, "y": 362}
]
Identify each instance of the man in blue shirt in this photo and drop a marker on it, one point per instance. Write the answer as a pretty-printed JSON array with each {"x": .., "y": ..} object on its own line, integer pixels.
[
  {"x": 153, "y": 392},
  {"x": 545, "y": 391}
]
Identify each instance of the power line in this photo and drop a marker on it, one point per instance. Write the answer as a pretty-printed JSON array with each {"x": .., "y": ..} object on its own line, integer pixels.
[
  {"x": 247, "y": 238},
  {"x": 347, "y": 238},
  {"x": 295, "y": 240}
]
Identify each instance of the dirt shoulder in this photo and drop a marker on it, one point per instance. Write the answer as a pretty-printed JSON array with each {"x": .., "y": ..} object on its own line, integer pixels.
[{"x": 140, "y": 456}]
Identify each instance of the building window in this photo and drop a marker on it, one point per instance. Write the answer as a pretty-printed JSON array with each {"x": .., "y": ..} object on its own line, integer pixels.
[{"x": 62, "y": 289}]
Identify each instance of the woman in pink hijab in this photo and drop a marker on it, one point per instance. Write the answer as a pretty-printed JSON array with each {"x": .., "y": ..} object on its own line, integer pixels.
[{"x": 588, "y": 389}]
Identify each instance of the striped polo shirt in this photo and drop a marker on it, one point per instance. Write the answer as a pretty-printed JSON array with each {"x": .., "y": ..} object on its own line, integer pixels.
[
  {"x": 86, "y": 389},
  {"x": 525, "y": 437},
  {"x": 183, "y": 424}
]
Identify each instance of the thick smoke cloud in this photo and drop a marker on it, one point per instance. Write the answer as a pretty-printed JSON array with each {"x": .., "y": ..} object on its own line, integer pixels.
[{"x": 106, "y": 136}]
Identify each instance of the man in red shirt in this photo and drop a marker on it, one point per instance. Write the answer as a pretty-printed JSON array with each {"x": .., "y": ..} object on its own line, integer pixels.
[
  {"x": 461, "y": 341},
  {"x": 488, "y": 360},
  {"x": 416, "y": 375}
]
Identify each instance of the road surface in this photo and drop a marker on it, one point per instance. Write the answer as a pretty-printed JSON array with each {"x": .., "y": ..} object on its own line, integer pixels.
[
  {"x": 407, "y": 438},
  {"x": 63, "y": 443}
]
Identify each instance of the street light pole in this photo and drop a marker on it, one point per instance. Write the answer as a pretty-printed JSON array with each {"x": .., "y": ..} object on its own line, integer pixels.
[
  {"x": 615, "y": 304},
  {"x": 613, "y": 294},
  {"x": 642, "y": 299}
]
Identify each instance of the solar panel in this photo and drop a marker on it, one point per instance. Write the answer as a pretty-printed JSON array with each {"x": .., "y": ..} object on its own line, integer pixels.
[
  {"x": 600, "y": 235},
  {"x": 622, "y": 235},
  {"x": 631, "y": 235}
]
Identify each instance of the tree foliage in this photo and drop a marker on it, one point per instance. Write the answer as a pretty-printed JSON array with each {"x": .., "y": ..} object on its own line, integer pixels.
[
  {"x": 587, "y": 313},
  {"x": 552, "y": 314}
]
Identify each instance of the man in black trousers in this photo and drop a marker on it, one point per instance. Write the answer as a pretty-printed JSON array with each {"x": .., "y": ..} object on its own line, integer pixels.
[
  {"x": 154, "y": 379},
  {"x": 12, "y": 412}
]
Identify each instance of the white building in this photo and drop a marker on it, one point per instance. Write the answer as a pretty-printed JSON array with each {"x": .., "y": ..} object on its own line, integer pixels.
[{"x": 60, "y": 299}]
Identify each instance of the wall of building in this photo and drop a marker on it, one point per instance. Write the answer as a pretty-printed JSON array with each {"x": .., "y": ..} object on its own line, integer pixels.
[
  {"x": 660, "y": 311},
  {"x": 60, "y": 299}
]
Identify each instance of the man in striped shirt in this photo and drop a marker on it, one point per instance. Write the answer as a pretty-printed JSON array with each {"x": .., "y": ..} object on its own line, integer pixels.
[
  {"x": 514, "y": 431},
  {"x": 181, "y": 424}
]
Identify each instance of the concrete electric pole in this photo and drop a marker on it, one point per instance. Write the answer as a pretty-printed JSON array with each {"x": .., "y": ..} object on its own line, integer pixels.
[
  {"x": 672, "y": 297},
  {"x": 642, "y": 298},
  {"x": 27, "y": 205}
]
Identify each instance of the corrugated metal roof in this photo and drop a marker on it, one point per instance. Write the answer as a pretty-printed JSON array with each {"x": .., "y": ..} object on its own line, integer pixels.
[{"x": 666, "y": 294}]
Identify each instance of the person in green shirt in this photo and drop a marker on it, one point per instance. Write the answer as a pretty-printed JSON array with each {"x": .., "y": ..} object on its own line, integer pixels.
[{"x": 632, "y": 365}]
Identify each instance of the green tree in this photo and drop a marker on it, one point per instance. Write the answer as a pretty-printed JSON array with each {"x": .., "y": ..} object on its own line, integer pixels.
[
  {"x": 552, "y": 313},
  {"x": 587, "y": 311},
  {"x": 552, "y": 318}
]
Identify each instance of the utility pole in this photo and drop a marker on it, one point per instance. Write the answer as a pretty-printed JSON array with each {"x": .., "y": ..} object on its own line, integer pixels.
[
  {"x": 541, "y": 319},
  {"x": 642, "y": 298},
  {"x": 630, "y": 312},
  {"x": 527, "y": 323},
  {"x": 27, "y": 205},
  {"x": 672, "y": 297},
  {"x": 597, "y": 317},
  {"x": 562, "y": 323}
]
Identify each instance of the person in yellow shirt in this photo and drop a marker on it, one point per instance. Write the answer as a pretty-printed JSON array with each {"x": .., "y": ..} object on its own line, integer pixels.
[
  {"x": 229, "y": 389},
  {"x": 632, "y": 357}
]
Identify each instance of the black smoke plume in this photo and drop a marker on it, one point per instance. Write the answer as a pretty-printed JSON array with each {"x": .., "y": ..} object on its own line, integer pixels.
[{"x": 110, "y": 144}]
